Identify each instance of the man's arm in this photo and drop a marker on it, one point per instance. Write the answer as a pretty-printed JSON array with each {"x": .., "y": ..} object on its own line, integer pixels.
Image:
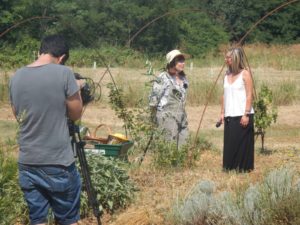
[{"x": 74, "y": 106}]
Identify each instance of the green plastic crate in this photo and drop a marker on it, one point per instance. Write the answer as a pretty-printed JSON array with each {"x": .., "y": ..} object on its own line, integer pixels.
[{"x": 112, "y": 150}]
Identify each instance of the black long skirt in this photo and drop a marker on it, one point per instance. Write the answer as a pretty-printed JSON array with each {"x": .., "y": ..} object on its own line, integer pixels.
[{"x": 238, "y": 152}]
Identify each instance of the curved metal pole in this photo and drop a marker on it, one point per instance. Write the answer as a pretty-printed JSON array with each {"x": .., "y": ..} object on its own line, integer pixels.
[
  {"x": 264, "y": 17},
  {"x": 159, "y": 17},
  {"x": 25, "y": 21}
]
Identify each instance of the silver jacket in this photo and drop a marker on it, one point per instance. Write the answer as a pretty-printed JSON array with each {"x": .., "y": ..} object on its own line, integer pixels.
[{"x": 167, "y": 94}]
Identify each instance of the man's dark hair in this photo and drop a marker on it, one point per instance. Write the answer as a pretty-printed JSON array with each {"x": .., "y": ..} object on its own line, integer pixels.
[{"x": 55, "y": 45}]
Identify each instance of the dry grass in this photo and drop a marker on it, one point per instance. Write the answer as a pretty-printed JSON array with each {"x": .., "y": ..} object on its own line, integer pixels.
[
  {"x": 159, "y": 190},
  {"x": 133, "y": 82}
]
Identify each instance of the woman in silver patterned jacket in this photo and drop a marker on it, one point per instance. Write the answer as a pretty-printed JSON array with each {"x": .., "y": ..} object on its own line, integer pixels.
[{"x": 168, "y": 98}]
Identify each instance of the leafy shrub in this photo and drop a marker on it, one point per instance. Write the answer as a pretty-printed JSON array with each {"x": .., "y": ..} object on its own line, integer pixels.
[
  {"x": 275, "y": 201},
  {"x": 265, "y": 112},
  {"x": 22, "y": 53},
  {"x": 167, "y": 155},
  {"x": 136, "y": 121},
  {"x": 111, "y": 182}
]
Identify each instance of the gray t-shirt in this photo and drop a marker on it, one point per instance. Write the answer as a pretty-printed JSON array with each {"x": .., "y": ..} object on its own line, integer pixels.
[{"x": 39, "y": 95}]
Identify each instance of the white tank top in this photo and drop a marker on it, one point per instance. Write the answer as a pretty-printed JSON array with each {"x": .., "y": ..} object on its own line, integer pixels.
[{"x": 235, "y": 97}]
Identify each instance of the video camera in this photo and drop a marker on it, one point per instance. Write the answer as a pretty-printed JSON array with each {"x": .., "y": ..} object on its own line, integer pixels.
[
  {"x": 87, "y": 95},
  {"x": 86, "y": 92}
]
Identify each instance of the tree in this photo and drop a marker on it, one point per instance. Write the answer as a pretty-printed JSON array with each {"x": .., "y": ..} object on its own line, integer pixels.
[
  {"x": 265, "y": 112},
  {"x": 238, "y": 16},
  {"x": 199, "y": 35}
]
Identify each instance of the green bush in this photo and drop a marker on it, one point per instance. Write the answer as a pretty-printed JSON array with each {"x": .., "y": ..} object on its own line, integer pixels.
[
  {"x": 167, "y": 155},
  {"x": 111, "y": 182},
  {"x": 265, "y": 112},
  {"x": 20, "y": 54}
]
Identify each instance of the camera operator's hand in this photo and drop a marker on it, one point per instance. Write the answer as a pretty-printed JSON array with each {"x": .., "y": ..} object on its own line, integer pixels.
[
  {"x": 74, "y": 106},
  {"x": 80, "y": 83},
  {"x": 74, "y": 103}
]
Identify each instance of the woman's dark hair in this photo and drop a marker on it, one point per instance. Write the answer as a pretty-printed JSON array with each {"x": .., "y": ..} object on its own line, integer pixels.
[
  {"x": 55, "y": 45},
  {"x": 173, "y": 63}
]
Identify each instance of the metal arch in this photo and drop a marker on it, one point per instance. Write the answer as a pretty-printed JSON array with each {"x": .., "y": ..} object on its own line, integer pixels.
[
  {"x": 25, "y": 21},
  {"x": 158, "y": 18}
]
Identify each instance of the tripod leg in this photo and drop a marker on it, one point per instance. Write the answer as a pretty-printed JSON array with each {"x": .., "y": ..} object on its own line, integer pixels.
[{"x": 92, "y": 196}]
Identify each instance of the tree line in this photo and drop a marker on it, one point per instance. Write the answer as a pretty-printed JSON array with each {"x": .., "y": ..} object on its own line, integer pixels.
[{"x": 196, "y": 26}]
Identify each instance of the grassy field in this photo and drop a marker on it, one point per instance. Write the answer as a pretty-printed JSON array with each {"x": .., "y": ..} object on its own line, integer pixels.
[{"x": 161, "y": 189}]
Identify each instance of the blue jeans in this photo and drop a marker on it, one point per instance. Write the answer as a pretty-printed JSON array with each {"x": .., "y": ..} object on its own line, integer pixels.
[{"x": 57, "y": 187}]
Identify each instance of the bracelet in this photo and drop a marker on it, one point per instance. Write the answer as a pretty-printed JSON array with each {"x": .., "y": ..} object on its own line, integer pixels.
[{"x": 247, "y": 114}]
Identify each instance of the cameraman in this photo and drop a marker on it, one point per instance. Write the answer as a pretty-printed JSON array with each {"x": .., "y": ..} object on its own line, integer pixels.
[{"x": 43, "y": 95}]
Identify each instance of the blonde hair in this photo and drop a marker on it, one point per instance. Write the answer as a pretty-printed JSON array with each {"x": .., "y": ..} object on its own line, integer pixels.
[{"x": 238, "y": 60}]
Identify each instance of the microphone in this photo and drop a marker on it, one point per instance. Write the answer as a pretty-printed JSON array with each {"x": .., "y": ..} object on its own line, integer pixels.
[{"x": 219, "y": 123}]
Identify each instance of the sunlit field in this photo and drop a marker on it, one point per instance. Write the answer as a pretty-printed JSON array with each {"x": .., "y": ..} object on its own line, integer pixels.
[{"x": 160, "y": 190}]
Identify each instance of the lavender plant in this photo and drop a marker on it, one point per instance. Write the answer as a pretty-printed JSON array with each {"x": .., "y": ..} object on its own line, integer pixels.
[{"x": 261, "y": 204}]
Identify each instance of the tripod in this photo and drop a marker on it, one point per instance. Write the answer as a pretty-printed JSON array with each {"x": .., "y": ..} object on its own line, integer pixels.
[{"x": 78, "y": 149}]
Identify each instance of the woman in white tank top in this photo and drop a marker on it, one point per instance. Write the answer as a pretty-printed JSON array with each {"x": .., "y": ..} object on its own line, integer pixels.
[{"x": 237, "y": 113}]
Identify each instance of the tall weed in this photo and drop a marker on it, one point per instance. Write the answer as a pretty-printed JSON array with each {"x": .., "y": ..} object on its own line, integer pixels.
[
  {"x": 4, "y": 83},
  {"x": 12, "y": 204},
  {"x": 281, "y": 57},
  {"x": 113, "y": 56},
  {"x": 199, "y": 92},
  {"x": 286, "y": 92}
]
